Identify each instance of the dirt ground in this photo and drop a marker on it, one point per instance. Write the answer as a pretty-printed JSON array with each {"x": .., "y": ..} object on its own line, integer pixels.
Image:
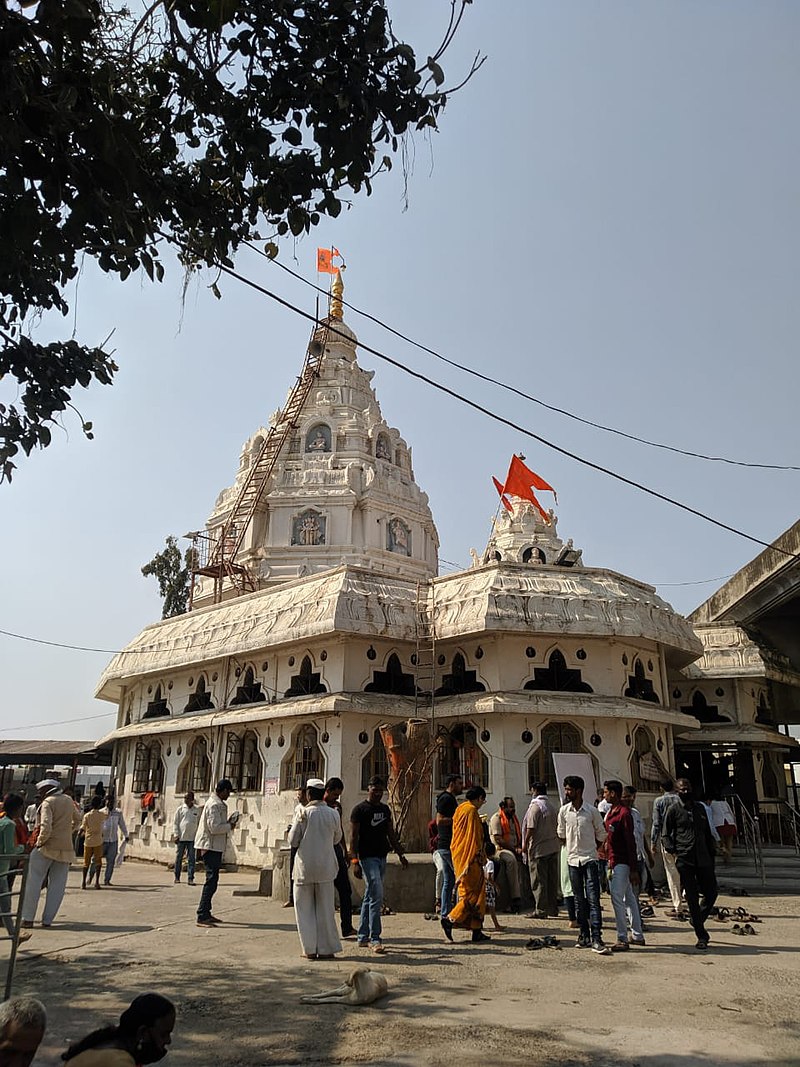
[{"x": 237, "y": 988}]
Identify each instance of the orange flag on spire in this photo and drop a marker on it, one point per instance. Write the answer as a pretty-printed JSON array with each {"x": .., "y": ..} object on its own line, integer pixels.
[
  {"x": 520, "y": 479},
  {"x": 325, "y": 258}
]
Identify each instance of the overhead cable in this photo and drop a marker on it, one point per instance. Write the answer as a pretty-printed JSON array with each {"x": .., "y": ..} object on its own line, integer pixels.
[
  {"x": 529, "y": 396},
  {"x": 508, "y": 422}
]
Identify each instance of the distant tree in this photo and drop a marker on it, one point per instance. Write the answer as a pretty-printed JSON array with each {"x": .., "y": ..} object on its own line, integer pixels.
[
  {"x": 193, "y": 127},
  {"x": 174, "y": 576}
]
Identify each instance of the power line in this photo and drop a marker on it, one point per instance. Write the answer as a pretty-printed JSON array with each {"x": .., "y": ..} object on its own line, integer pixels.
[
  {"x": 508, "y": 422},
  {"x": 77, "y": 648},
  {"x": 522, "y": 393},
  {"x": 703, "y": 581},
  {"x": 58, "y": 722}
]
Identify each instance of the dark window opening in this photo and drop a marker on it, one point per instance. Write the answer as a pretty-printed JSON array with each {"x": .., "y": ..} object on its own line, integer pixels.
[
  {"x": 703, "y": 711},
  {"x": 460, "y": 680},
  {"x": 375, "y": 762},
  {"x": 194, "y": 774},
  {"x": 200, "y": 699},
  {"x": 392, "y": 680},
  {"x": 304, "y": 761},
  {"x": 148, "y": 769},
  {"x": 157, "y": 706},
  {"x": 639, "y": 685},
  {"x": 250, "y": 692},
  {"x": 557, "y": 677},
  {"x": 306, "y": 682},
  {"x": 559, "y": 737}
]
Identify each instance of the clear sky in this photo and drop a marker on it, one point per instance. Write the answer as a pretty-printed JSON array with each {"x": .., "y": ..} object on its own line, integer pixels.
[{"x": 608, "y": 219}]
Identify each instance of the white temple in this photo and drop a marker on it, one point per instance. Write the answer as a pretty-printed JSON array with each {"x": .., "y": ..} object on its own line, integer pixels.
[{"x": 532, "y": 652}]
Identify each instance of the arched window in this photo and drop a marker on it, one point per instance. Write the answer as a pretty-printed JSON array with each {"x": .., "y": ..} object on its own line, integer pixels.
[
  {"x": 318, "y": 439},
  {"x": 557, "y": 677},
  {"x": 148, "y": 768},
  {"x": 375, "y": 761},
  {"x": 556, "y": 737},
  {"x": 243, "y": 763},
  {"x": 157, "y": 706},
  {"x": 392, "y": 680},
  {"x": 233, "y": 759},
  {"x": 250, "y": 691},
  {"x": 306, "y": 682},
  {"x": 200, "y": 699},
  {"x": 703, "y": 711},
  {"x": 304, "y": 760},
  {"x": 459, "y": 753},
  {"x": 647, "y": 770},
  {"x": 194, "y": 773},
  {"x": 460, "y": 680},
  {"x": 639, "y": 685}
]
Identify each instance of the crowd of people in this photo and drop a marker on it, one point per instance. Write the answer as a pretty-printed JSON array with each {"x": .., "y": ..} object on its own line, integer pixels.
[{"x": 573, "y": 854}]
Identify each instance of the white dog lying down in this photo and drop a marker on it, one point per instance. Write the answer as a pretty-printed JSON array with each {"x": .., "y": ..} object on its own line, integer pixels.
[{"x": 362, "y": 987}]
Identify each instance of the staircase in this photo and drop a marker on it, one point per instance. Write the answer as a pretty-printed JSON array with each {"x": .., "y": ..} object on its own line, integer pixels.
[{"x": 781, "y": 871}]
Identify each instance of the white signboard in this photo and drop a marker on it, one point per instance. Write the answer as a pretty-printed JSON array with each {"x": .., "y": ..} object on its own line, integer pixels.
[
  {"x": 575, "y": 763},
  {"x": 271, "y": 787}
]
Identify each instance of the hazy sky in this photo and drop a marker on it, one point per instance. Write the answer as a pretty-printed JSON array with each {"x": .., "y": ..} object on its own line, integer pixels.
[{"x": 608, "y": 219}]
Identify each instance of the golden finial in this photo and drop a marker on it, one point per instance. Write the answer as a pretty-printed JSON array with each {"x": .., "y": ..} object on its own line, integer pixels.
[{"x": 337, "y": 292}]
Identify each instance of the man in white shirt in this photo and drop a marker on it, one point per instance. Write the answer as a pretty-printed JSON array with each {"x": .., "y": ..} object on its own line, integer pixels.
[
  {"x": 184, "y": 832},
  {"x": 581, "y": 830},
  {"x": 315, "y": 832},
  {"x": 212, "y": 837},
  {"x": 112, "y": 828}
]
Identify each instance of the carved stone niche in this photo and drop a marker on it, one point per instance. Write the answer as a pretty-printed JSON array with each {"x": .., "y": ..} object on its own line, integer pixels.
[{"x": 308, "y": 528}]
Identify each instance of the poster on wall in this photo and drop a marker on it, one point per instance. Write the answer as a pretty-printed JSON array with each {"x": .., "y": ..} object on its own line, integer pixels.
[
  {"x": 271, "y": 787},
  {"x": 575, "y": 763}
]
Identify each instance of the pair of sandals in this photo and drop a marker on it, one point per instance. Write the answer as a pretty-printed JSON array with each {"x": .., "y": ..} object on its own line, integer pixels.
[
  {"x": 745, "y": 916},
  {"x": 646, "y": 911},
  {"x": 542, "y": 942},
  {"x": 742, "y": 930}
]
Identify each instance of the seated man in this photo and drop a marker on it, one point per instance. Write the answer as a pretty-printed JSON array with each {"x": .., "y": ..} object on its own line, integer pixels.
[{"x": 506, "y": 834}]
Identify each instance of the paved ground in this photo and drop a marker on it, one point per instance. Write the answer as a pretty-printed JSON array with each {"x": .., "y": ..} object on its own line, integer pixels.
[{"x": 237, "y": 988}]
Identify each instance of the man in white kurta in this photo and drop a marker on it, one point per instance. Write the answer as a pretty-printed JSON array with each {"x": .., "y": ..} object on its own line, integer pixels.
[{"x": 315, "y": 830}]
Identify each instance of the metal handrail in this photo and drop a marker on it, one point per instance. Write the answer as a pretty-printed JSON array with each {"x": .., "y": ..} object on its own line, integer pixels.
[
  {"x": 21, "y": 859},
  {"x": 784, "y": 813},
  {"x": 751, "y": 832}
]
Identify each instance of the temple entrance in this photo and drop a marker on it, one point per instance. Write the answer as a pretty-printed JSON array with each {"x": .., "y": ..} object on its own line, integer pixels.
[{"x": 717, "y": 771}]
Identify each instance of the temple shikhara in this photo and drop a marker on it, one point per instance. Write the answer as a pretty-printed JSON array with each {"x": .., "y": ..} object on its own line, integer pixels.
[{"x": 322, "y": 641}]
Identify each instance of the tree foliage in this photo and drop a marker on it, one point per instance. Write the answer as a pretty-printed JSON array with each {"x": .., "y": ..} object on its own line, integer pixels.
[
  {"x": 196, "y": 124},
  {"x": 174, "y": 576}
]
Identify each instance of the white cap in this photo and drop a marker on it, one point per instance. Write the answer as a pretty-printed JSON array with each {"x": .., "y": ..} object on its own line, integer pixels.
[
  {"x": 315, "y": 783},
  {"x": 48, "y": 783}
]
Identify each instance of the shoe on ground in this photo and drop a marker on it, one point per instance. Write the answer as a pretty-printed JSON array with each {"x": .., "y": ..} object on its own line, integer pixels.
[
  {"x": 701, "y": 945},
  {"x": 206, "y": 922},
  {"x": 192, "y": 881},
  {"x": 177, "y": 881},
  {"x": 378, "y": 949},
  {"x": 583, "y": 942},
  {"x": 478, "y": 936},
  {"x": 620, "y": 946},
  {"x": 27, "y": 924},
  {"x": 601, "y": 948},
  {"x": 327, "y": 957},
  {"x": 447, "y": 926},
  {"x": 363, "y": 944},
  {"x": 346, "y": 934},
  {"x": 213, "y": 919},
  {"x": 639, "y": 941}
]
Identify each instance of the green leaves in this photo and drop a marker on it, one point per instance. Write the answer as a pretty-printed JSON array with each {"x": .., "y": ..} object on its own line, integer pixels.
[
  {"x": 173, "y": 575},
  {"x": 200, "y": 122}
]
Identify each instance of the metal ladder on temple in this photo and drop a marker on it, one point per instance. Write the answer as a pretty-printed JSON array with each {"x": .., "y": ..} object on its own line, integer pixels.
[
  {"x": 221, "y": 562},
  {"x": 424, "y": 652}
]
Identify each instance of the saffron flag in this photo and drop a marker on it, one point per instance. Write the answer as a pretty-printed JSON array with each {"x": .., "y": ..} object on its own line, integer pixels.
[
  {"x": 520, "y": 479},
  {"x": 325, "y": 258},
  {"x": 499, "y": 488}
]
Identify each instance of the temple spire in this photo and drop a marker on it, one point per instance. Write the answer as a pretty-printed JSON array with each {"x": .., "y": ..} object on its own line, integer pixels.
[{"x": 337, "y": 292}]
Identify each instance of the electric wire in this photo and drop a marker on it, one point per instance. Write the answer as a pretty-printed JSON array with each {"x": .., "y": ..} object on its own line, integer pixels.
[
  {"x": 520, "y": 392},
  {"x": 509, "y": 422},
  {"x": 58, "y": 722}
]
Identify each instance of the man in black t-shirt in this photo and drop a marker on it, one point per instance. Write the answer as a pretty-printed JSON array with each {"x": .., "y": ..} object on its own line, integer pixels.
[
  {"x": 446, "y": 804},
  {"x": 372, "y": 837}
]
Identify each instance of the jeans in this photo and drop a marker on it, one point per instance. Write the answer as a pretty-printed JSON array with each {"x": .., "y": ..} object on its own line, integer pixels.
[
  {"x": 342, "y": 886},
  {"x": 212, "y": 862},
  {"x": 697, "y": 880},
  {"x": 110, "y": 850},
  {"x": 585, "y": 882},
  {"x": 181, "y": 848},
  {"x": 625, "y": 902},
  {"x": 369, "y": 928},
  {"x": 443, "y": 860}
]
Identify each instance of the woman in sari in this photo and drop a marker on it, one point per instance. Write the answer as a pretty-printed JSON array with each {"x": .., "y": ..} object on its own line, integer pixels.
[{"x": 469, "y": 858}]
